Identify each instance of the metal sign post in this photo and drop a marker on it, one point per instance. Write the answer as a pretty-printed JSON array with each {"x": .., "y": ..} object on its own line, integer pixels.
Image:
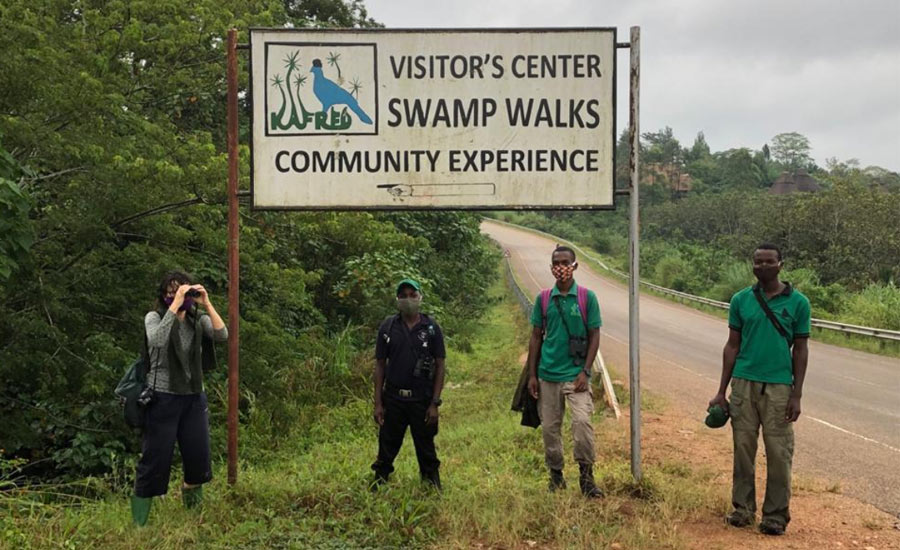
[
  {"x": 233, "y": 265},
  {"x": 634, "y": 355}
]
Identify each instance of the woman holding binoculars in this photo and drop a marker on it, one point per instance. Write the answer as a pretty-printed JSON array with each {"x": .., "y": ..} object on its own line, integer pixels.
[{"x": 180, "y": 343}]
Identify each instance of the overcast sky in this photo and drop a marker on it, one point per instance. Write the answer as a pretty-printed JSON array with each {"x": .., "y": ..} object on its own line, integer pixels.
[{"x": 740, "y": 71}]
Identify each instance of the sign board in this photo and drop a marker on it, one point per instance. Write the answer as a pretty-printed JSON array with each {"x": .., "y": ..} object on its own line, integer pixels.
[{"x": 420, "y": 119}]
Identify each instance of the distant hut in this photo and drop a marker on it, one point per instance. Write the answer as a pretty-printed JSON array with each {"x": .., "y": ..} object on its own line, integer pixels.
[
  {"x": 805, "y": 182},
  {"x": 793, "y": 183}
]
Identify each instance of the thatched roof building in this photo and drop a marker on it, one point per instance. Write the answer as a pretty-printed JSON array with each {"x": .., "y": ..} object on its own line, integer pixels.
[{"x": 794, "y": 183}]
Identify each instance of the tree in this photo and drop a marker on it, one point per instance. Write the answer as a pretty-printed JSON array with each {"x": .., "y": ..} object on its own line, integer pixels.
[
  {"x": 331, "y": 13},
  {"x": 662, "y": 147},
  {"x": 118, "y": 111},
  {"x": 699, "y": 150},
  {"x": 791, "y": 150}
]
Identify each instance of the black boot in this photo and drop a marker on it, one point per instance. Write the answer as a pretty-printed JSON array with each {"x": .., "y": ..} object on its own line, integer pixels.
[
  {"x": 434, "y": 478},
  {"x": 557, "y": 481},
  {"x": 380, "y": 479},
  {"x": 586, "y": 481}
]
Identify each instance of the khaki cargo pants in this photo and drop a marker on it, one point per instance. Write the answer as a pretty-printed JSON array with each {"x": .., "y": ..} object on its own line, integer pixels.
[
  {"x": 552, "y": 407},
  {"x": 755, "y": 404}
]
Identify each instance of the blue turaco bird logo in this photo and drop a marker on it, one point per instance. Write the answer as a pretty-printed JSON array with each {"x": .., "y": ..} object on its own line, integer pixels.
[
  {"x": 330, "y": 94},
  {"x": 293, "y": 114}
]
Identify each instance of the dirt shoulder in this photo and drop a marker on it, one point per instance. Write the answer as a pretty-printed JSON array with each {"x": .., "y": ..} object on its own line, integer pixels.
[{"x": 822, "y": 517}]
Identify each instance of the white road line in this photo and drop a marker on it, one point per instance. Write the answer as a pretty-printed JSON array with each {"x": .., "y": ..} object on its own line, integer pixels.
[
  {"x": 854, "y": 434},
  {"x": 819, "y": 420},
  {"x": 528, "y": 271},
  {"x": 661, "y": 358}
]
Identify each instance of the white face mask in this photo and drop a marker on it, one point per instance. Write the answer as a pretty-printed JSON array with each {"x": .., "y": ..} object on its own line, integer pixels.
[{"x": 409, "y": 306}]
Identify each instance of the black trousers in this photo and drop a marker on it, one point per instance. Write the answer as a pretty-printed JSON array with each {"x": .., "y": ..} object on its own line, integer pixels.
[
  {"x": 171, "y": 418},
  {"x": 397, "y": 416}
]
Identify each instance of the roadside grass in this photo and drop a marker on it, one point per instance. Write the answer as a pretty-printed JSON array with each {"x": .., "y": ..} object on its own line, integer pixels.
[
  {"x": 313, "y": 493},
  {"x": 857, "y": 342}
]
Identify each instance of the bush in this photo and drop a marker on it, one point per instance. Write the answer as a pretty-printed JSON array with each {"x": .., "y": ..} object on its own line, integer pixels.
[
  {"x": 878, "y": 305},
  {"x": 672, "y": 272}
]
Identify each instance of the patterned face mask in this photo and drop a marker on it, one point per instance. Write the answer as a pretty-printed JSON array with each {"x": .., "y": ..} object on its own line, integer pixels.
[{"x": 563, "y": 273}]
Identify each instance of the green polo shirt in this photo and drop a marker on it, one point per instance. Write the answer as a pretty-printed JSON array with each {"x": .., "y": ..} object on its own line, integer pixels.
[
  {"x": 556, "y": 365},
  {"x": 764, "y": 355}
]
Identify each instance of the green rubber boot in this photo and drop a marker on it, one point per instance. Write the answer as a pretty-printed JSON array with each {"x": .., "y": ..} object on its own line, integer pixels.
[
  {"x": 192, "y": 496},
  {"x": 140, "y": 509}
]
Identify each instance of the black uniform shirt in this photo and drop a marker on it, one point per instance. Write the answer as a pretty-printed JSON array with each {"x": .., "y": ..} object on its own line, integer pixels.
[{"x": 402, "y": 348}]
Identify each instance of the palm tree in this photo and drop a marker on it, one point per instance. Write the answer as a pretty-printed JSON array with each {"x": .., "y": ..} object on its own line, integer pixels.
[
  {"x": 355, "y": 85},
  {"x": 333, "y": 61},
  {"x": 275, "y": 121},
  {"x": 291, "y": 62},
  {"x": 299, "y": 81}
]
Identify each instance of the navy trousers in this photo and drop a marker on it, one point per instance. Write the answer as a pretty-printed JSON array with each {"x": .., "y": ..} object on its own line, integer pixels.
[
  {"x": 171, "y": 418},
  {"x": 397, "y": 416}
]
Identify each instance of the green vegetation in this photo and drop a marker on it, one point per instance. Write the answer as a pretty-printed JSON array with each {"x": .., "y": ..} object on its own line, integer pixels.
[
  {"x": 841, "y": 244},
  {"x": 112, "y": 171},
  {"x": 312, "y": 492}
]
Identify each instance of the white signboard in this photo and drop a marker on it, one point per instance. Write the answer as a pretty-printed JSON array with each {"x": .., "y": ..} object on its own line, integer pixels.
[{"x": 464, "y": 119}]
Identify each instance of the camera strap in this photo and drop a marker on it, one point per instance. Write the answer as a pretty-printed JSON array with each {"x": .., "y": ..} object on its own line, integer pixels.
[
  {"x": 757, "y": 292},
  {"x": 409, "y": 334},
  {"x": 565, "y": 323}
]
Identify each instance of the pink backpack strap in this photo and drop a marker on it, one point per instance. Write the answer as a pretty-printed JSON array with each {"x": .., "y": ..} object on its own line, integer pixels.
[
  {"x": 545, "y": 303},
  {"x": 582, "y": 302}
]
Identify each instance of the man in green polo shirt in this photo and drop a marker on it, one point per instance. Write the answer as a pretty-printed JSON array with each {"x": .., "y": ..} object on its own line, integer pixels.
[
  {"x": 768, "y": 366},
  {"x": 560, "y": 370}
]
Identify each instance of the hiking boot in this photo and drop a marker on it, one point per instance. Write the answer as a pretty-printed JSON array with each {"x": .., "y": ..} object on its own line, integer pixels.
[
  {"x": 557, "y": 481},
  {"x": 736, "y": 519},
  {"x": 192, "y": 497},
  {"x": 771, "y": 528},
  {"x": 586, "y": 482},
  {"x": 140, "y": 509},
  {"x": 380, "y": 479},
  {"x": 433, "y": 478}
]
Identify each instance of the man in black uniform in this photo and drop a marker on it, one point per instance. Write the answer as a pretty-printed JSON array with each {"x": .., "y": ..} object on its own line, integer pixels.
[{"x": 409, "y": 377}]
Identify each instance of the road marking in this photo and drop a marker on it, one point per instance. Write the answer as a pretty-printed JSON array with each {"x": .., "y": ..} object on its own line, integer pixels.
[
  {"x": 854, "y": 434},
  {"x": 528, "y": 271},
  {"x": 819, "y": 420},
  {"x": 661, "y": 358}
]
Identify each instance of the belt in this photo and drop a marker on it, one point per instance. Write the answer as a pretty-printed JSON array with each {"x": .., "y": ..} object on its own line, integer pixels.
[{"x": 402, "y": 392}]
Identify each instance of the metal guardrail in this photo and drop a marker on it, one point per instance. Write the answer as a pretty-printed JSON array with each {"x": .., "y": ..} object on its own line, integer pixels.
[{"x": 880, "y": 333}]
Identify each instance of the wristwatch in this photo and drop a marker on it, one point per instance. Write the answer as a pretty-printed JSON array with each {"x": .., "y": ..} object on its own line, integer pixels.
[{"x": 437, "y": 402}]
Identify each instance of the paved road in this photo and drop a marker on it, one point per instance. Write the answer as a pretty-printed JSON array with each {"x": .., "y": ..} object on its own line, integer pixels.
[{"x": 850, "y": 427}]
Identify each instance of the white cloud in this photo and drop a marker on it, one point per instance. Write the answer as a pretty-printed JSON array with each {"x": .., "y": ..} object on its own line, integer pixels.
[{"x": 741, "y": 71}]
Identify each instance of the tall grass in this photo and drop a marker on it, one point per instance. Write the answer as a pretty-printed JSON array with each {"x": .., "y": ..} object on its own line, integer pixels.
[{"x": 313, "y": 492}]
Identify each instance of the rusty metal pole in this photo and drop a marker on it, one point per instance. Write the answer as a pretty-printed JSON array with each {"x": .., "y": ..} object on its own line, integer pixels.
[
  {"x": 634, "y": 356},
  {"x": 233, "y": 262}
]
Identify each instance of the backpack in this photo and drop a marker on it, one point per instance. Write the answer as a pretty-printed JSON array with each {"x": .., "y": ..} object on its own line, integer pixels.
[
  {"x": 131, "y": 385},
  {"x": 582, "y": 295},
  {"x": 129, "y": 389}
]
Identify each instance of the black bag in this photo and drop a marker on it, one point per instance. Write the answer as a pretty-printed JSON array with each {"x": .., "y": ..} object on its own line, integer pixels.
[
  {"x": 129, "y": 389},
  {"x": 132, "y": 385},
  {"x": 523, "y": 401}
]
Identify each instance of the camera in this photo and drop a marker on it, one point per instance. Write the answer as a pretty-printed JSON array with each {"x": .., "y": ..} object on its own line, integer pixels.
[
  {"x": 146, "y": 397},
  {"x": 192, "y": 293},
  {"x": 578, "y": 349},
  {"x": 424, "y": 368}
]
